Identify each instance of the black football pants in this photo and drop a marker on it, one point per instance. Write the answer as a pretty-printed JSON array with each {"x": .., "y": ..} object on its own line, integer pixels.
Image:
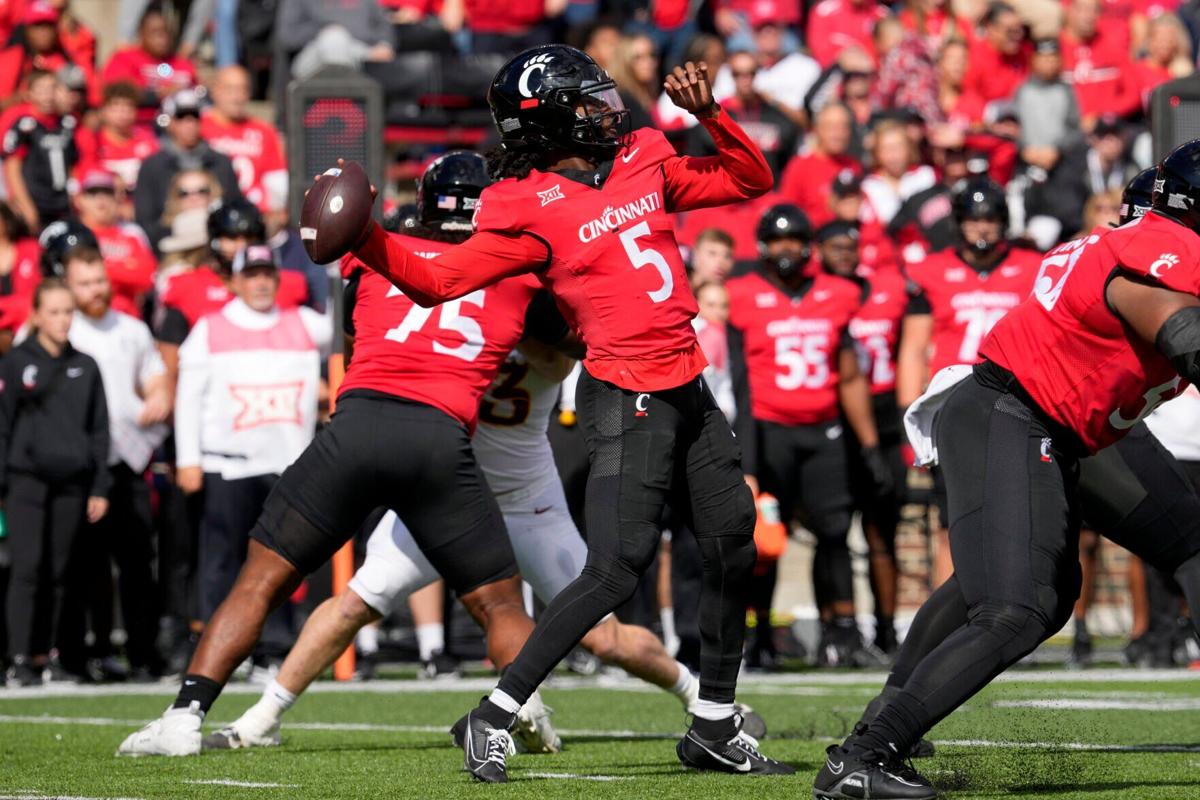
[{"x": 648, "y": 450}]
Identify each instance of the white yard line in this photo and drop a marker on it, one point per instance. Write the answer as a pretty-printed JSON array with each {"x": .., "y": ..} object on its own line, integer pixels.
[
  {"x": 20, "y": 794},
  {"x": 571, "y": 776},
  {"x": 1112, "y": 704},
  {"x": 1084, "y": 746},
  {"x": 242, "y": 784}
]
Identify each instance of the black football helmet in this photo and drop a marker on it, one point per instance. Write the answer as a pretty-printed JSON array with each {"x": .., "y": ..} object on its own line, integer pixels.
[
  {"x": 785, "y": 221},
  {"x": 1138, "y": 194},
  {"x": 449, "y": 190},
  {"x": 1177, "y": 186},
  {"x": 980, "y": 198},
  {"x": 557, "y": 97},
  {"x": 60, "y": 237},
  {"x": 403, "y": 218},
  {"x": 236, "y": 218}
]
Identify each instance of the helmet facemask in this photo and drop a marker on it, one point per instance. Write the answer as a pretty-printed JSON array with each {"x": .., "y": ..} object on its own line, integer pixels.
[{"x": 601, "y": 119}]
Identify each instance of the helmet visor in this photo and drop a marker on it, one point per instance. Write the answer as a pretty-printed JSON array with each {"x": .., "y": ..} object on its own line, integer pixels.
[{"x": 602, "y": 112}]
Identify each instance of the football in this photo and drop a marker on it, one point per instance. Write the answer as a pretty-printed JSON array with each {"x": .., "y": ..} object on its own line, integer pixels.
[{"x": 336, "y": 212}]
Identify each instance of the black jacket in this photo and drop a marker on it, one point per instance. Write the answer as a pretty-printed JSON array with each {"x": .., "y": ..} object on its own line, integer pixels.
[
  {"x": 154, "y": 180},
  {"x": 53, "y": 418}
]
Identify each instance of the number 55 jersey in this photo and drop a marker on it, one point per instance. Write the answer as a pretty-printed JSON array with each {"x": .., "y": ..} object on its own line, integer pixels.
[{"x": 1073, "y": 356}]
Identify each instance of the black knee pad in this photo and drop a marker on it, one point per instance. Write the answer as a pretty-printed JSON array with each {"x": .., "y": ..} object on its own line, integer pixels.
[
  {"x": 619, "y": 580},
  {"x": 734, "y": 554},
  {"x": 831, "y": 528},
  {"x": 1016, "y": 629}
]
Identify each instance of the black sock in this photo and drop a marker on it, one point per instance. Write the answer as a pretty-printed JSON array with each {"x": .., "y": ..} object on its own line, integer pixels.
[
  {"x": 198, "y": 689},
  {"x": 494, "y": 715},
  {"x": 715, "y": 729},
  {"x": 899, "y": 725}
]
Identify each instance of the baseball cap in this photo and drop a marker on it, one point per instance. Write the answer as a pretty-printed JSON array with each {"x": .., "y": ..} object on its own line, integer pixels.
[
  {"x": 765, "y": 12},
  {"x": 254, "y": 255},
  {"x": 846, "y": 183},
  {"x": 40, "y": 12},
  {"x": 97, "y": 180},
  {"x": 189, "y": 230},
  {"x": 1107, "y": 125},
  {"x": 182, "y": 103},
  {"x": 831, "y": 230}
]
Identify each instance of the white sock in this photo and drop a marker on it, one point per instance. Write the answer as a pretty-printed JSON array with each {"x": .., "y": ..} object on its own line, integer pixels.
[
  {"x": 666, "y": 617},
  {"x": 504, "y": 700},
  {"x": 273, "y": 704},
  {"x": 367, "y": 640},
  {"x": 431, "y": 637},
  {"x": 707, "y": 709},
  {"x": 686, "y": 688}
]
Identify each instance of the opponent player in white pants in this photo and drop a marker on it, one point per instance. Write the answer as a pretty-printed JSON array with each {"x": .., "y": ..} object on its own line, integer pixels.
[{"x": 514, "y": 453}]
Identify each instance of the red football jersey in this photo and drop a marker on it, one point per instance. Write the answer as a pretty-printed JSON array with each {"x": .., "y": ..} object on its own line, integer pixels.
[
  {"x": 876, "y": 328},
  {"x": 791, "y": 345},
  {"x": 966, "y": 304},
  {"x": 1072, "y": 355},
  {"x": 121, "y": 157},
  {"x": 445, "y": 356},
  {"x": 16, "y": 301},
  {"x": 253, "y": 147},
  {"x": 128, "y": 259},
  {"x": 196, "y": 293}
]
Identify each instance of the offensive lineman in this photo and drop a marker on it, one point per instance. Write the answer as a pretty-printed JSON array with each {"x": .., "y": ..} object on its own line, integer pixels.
[
  {"x": 514, "y": 454},
  {"x": 583, "y": 204},
  {"x": 1111, "y": 331}
]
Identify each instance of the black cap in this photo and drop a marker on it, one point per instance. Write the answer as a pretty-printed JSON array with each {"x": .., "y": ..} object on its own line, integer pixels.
[
  {"x": 846, "y": 183},
  {"x": 1107, "y": 125},
  {"x": 832, "y": 230}
]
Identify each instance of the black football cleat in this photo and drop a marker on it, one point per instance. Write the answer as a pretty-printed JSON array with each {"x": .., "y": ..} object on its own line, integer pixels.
[
  {"x": 486, "y": 748},
  {"x": 855, "y": 774},
  {"x": 738, "y": 755}
]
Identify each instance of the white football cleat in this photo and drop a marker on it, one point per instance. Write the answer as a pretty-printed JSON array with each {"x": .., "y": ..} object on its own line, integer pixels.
[
  {"x": 175, "y": 733},
  {"x": 534, "y": 733}
]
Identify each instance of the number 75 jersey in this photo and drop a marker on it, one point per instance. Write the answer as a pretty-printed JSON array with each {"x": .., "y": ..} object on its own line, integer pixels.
[
  {"x": 445, "y": 356},
  {"x": 614, "y": 264},
  {"x": 1077, "y": 360}
]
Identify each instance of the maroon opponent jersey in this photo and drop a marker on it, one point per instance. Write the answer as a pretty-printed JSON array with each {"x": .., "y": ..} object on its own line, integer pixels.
[
  {"x": 445, "y": 356},
  {"x": 876, "y": 328},
  {"x": 966, "y": 304},
  {"x": 1072, "y": 354},
  {"x": 792, "y": 344}
]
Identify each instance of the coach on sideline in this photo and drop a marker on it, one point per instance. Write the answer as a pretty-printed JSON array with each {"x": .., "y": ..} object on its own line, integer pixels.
[{"x": 246, "y": 408}]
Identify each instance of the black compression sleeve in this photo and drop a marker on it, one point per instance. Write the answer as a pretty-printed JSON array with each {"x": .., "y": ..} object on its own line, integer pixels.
[{"x": 1179, "y": 340}]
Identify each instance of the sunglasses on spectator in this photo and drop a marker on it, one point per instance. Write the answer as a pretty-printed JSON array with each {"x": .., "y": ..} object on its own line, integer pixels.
[{"x": 183, "y": 191}]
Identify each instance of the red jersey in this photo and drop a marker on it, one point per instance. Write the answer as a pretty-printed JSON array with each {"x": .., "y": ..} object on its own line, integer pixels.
[
  {"x": 965, "y": 304},
  {"x": 739, "y": 220},
  {"x": 1072, "y": 354},
  {"x": 445, "y": 356},
  {"x": 165, "y": 76},
  {"x": 17, "y": 287},
  {"x": 992, "y": 75},
  {"x": 791, "y": 345},
  {"x": 203, "y": 291},
  {"x": 128, "y": 259},
  {"x": 253, "y": 147},
  {"x": 121, "y": 157},
  {"x": 606, "y": 252},
  {"x": 834, "y": 25},
  {"x": 808, "y": 180},
  {"x": 875, "y": 328},
  {"x": 1101, "y": 72},
  {"x": 513, "y": 16}
]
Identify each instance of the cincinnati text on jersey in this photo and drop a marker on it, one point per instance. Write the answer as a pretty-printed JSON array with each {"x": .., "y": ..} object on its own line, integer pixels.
[{"x": 612, "y": 218}]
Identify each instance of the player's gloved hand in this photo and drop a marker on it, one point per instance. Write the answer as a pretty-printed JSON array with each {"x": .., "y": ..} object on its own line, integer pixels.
[{"x": 881, "y": 472}]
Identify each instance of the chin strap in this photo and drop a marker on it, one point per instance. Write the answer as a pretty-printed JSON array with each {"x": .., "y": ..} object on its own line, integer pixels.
[{"x": 1179, "y": 340}]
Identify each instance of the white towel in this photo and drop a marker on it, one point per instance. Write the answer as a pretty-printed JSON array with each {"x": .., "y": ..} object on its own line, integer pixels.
[{"x": 918, "y": 419}]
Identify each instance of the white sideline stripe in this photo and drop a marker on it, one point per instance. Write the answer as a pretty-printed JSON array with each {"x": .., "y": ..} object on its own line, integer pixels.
[
  {"x": 1069, "y": 704},
  {"x": 326, "y": 726},
  {"x": 33, "y": 795},
  {"x": 242, "y": 784},
  {"x": 798, "y": 684},
  {"x": 572, "y": 776},
  {"x": 1083, "y": 746}
]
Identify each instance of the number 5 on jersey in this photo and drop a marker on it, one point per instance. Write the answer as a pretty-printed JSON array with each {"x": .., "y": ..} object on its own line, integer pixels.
[{"x": 450, "y": 318}]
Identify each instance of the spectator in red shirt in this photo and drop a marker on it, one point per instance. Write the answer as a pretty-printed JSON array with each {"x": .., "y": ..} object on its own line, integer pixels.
[
  {"x": 933, "y": 22},
  {"x": 511, "y": 26},
  {"x": 951, "y": 73},
  {"x": 20, "y": 273},
  {"x": 1096, "y": 62},
  {"x": 997, "y": 64},
  {"x": 152, "y": 65},
  {"x": 251, "y": 144},
  {"x": 834, "y": 25},
  {"x": 38, "y": 47},
  {"x": 127, "y": 255},
  {"x": 808, "y": 178},
  {"x": 1168, "y": 51},
  {"x": 736, "y": 20},
  {"x": 119, "y": 145}
]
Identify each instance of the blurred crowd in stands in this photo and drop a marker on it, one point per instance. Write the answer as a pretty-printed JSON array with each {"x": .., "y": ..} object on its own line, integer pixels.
[{"x": 145, "y": 224}]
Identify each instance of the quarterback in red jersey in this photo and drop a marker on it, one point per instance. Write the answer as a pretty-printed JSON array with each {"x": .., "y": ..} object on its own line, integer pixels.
[
  {"x": 1111, "y": 331},
  {"x": 792, "y": 331},
  {"x": 875, "y": 329},
  {"x": 400, "y": 439},
  {"x": 959, "y": 294},
  {"x": 583, "y": 204}
]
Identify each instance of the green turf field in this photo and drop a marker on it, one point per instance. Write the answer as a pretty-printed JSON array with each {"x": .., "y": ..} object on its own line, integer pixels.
[{"x": 1096, "y": 734}]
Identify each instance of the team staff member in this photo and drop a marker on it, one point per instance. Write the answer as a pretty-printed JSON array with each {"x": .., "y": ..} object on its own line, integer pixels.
[
  {"x": 875, "y": 329},
  {"x": 53, "y": 473},
  {"x": 959, "y": 295},
  {"x": 249, "y": 378},
  {"x": 583, "y": 204},
  {"x": 802, "y": 371},
  {"x": 1110, "y": 332}
]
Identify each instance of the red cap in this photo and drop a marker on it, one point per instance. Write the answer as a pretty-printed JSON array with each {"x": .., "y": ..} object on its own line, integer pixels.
[
  {"x": 40, "y": 12},
  {"x": 766, "y": 12},
  {"x": 97, "y": 179}
]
